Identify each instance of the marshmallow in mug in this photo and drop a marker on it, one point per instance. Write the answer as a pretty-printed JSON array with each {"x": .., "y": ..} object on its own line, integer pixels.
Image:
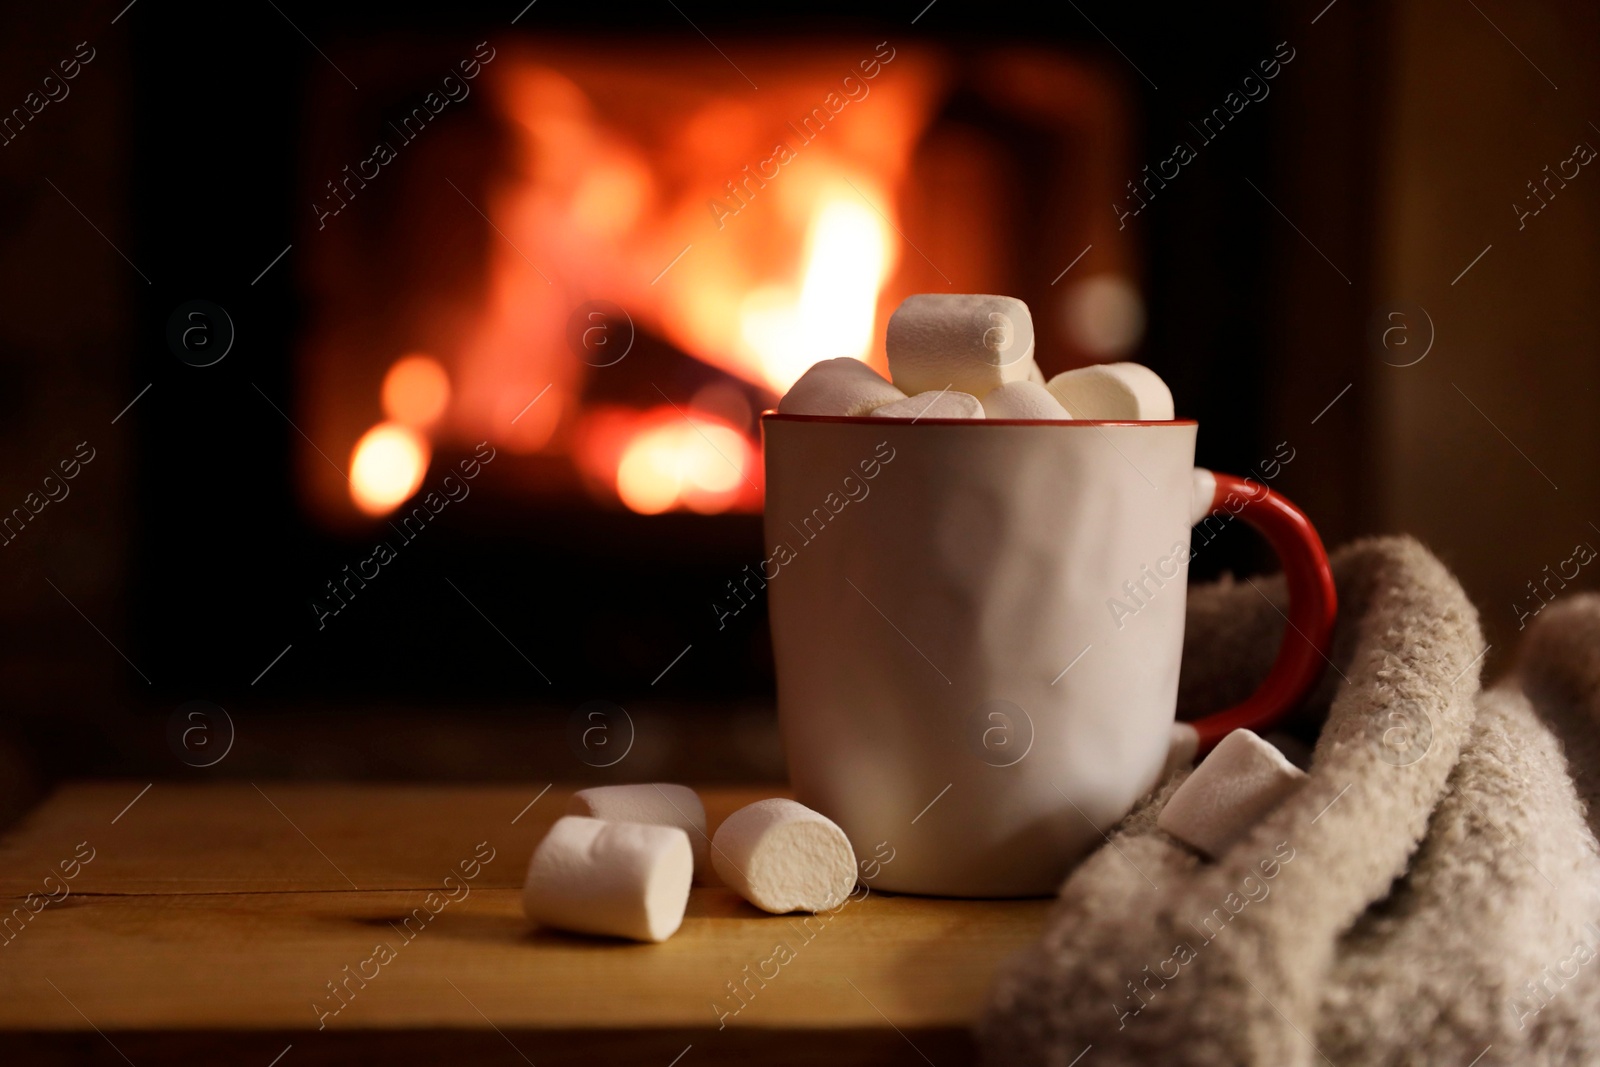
[
  {"x": 1118, "y": 392},
  {"x": 619, "y": 879},
  {"x": 842, "y": 386},
  {"x": 954, "y": 352},
  {"x": 967, "y": 342},
  {"x": 944, "y": 404},
  {"x": 1024, "y": 400}
]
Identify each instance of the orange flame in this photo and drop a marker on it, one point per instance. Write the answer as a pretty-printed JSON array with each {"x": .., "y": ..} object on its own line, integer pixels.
[
  {"x": 665, "y": 460},
  {"x": 847, "y": 260},
  {"x": 594, "y": 202},
  {"x": 387, "y": 466},
  {"x": 416, "y": 391}
]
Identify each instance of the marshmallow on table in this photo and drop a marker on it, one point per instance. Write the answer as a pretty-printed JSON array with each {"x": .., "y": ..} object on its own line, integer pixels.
[
  {"x": 660, "y": 804},
  {"x": 1234, "y": 787},
  {"x": 842, "y": 386},
  {"x": 622, "y": 879},
  {"x": 938, "y": 404},
  {"x": 782, "y": 856},
  {"x": 1035, "y": 374},
  {"x": 1122, "y": 392},
  {"x": 972, "y": 343},
  {"x": 1023, "y": 400}
]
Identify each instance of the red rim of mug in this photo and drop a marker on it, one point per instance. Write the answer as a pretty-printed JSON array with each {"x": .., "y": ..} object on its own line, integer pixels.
[{"x": 778, "y": 416}]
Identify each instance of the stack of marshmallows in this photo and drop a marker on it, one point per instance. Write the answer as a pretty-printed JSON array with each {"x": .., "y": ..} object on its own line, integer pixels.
[
  {"x": 621, "y": 861},
  {"x": 970, "y": 356}
]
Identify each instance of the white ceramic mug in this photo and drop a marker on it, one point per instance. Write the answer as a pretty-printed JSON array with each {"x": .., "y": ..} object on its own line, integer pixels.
[{"x": 978, "y": 626}]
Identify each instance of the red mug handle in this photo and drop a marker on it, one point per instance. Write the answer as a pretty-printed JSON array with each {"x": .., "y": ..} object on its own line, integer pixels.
[{"x": 1312, "y": 607}]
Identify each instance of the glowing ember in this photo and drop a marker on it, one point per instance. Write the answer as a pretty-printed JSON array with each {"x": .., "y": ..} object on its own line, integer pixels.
[
  {"x": 416, "y": 391},
  {"x": 386, "y": 467},
  {"x": 647, "y": 479},
  {"x": 672, "y": 462}
]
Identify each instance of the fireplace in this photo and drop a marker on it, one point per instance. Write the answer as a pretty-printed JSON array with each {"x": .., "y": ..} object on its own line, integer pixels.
[
  {"x": 574, "y": 256},
  {"x": 601, "y": 262},
  {"x": 484, "y": 443}
]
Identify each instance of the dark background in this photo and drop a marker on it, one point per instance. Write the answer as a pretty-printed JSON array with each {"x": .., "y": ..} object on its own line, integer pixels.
[
  {"x": 185, "y": 545},
  {"x": 613, "y": 593}
]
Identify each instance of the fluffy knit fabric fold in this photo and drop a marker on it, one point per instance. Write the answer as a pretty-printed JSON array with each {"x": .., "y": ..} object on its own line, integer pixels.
[{"x": 1432, "y": 893}]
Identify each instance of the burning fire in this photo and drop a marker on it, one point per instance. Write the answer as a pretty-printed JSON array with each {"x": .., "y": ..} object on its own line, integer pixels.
[
  {"x": 687, "y": 462},
  {"x": 387, "y": 466},
  {"x": 390, "y": 460},
  {"x": 847, "y": 260},
  {"x": 665, "y": 459},
  {"x": 416, "y": 391},
  {"x": 605, "y": 194},
  {"x": 672, "y": 460}
]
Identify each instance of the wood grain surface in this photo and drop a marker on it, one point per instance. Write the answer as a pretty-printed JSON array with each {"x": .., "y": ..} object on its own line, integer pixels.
[{"x": 223, "y": 922}]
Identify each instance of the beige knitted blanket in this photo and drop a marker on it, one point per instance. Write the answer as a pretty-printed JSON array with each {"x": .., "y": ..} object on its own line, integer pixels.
[{"x": 1432, "y": 896}]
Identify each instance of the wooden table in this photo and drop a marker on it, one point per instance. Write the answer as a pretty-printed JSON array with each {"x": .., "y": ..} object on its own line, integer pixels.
[{"x": 213, "y": 922}]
